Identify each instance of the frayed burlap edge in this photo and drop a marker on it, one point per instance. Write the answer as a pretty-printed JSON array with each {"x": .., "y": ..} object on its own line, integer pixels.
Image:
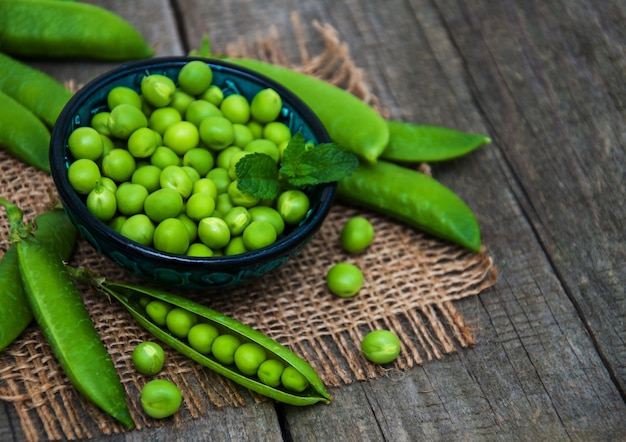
[{"x": 412, "y": 283}]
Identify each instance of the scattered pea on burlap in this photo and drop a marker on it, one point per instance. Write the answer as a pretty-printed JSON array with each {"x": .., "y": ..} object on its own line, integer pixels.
[{"x": 412, "y": 281}]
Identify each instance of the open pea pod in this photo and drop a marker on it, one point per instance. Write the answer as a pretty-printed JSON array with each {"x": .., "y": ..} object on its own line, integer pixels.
[{"x": 133, "y": 299}]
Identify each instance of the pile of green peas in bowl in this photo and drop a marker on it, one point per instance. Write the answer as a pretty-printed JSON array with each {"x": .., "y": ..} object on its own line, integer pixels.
[{"x": 143, "y": 159}]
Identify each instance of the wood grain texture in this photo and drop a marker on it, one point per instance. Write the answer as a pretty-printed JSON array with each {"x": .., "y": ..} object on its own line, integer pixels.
[{"x": 546, "y": 81}]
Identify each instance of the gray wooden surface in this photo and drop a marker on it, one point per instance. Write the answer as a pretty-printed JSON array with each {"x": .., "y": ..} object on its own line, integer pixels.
[{"x": 546, "y": 80}]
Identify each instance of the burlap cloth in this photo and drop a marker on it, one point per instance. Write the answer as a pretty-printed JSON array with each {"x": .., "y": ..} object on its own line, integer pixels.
[{"x": 412, "y": 281}]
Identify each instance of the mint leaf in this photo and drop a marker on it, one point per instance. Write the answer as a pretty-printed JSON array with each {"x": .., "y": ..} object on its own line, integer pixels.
[
  {"x": 325, "y": 163},
  {"x": 257, "y": 175}
]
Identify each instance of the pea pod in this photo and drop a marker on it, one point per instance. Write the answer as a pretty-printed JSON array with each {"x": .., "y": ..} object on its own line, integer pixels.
[
  {"x": 58, "y": 308},
  {"x": 412, "y": 143},
  {"x": 131, "y": 297},
  {"x": 414, "y": 198},
  {"x": 349, "y": 121},
  {"x": 55, "y": 232},
  {"x": 22, "y": 134},
  {"x": 48, "y": 28},
  {"x": 35, "y": 90}
]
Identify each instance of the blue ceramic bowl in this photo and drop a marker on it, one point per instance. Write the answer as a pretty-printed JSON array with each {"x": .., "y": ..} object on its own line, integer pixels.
[{"x": 165, "y": 268}]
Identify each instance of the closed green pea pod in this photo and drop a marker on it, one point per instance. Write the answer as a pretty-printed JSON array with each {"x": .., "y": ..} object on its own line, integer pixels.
[
  {"x": 414, "y": 198},
  {"x": 22, "y": 134},
  {"x": 43, "y": 28},
  {"x": 35, "y": 90},
  {"x": 58, "y": 308},
  {"x": 349, "y": 121},
  {"x": 413, "y": 143},
  {"x": 130, "y": 296}
]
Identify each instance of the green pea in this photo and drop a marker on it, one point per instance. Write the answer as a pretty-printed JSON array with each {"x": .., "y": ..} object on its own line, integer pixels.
[
  {"x": 344, "y": 279},
  {"x": 248, "y": 357},
  {"x": 164, "y": 156},
  {"x": 235, "y": 246},
  {"x": 213, "y": 232},
  {"x": 148, "y": 358},
  {"x": 157, "y": 311},
  {"x": 195, "y": 77},
  {"x": 237, "y": 219},
  {"x": 270, "y": 372},
  {"x": 117, "y": 222},
  {"x": 124, "y": 119},
  {"x": 268, "y": 214},
  {"x": 380, "y": 346},
  {"x": 85, "y": 142},
  {"x": 162, "y": 204},
  {"x": 83, "y": 175},
  {"x": 190, "y": 225},
  {"x": 293, "y": 380},
  {"x": 239, "y": 198},
  {"x": 277, "y": 132},
  {"x": 214, "y": 94},
  {"x": 200, "y": 159},
  {"x": 181, "y": 137},
  {"x": 199, "y": 205},
  {"x": 201, "y": 337},
  {"x": 224, "y": 347},
  {"x": 118, "y": 165},
  {"x": 158, "y": 90},
  {"x": 265, "y": 146},
  {"x": 171, "y": 236},
  {"x": 181, "y": 101},
  {"x": 162, "y": 118},
  {"x": 102, "y": 203},
  {"x": 123, "y": 95},
  {"x": 242, "y": 135},
  {"x": 143, "y": 142},
  {"x": 130, "y": 198},
  {"x": 179, "y": 322},
  {"x": 100, "y": 122},
  {"x": 266, "y": 105},
  {"x": 219, "y": 175},
  {"x": 138, "y": 228},
  {"x": 223, "y": 204},
  {"x": 199, "y": 250},
  {"x": 216, "y": 132},
  {"x": 174, "y": 177},
  {"x": 160, "y": 398},
  {"x": 148, "y": 176},
  {"x": 356, "y": 235},
  {"x": 258, "y": 234},
  {"x": 205, "y": 185},
  {"x": 236, "y": 108},
  {"x": 198, "y": 110},
  {"x": 293, "y": 206}
]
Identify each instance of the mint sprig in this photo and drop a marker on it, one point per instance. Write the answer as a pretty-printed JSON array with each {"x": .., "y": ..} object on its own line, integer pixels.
[{"x": 302, "y": 165}]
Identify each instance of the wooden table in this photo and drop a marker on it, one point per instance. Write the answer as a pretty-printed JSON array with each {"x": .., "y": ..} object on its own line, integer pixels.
[{"x": 546, "y": 80}]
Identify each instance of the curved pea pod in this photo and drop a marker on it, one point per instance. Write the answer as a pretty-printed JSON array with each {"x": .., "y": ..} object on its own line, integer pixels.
[
  {"x": 46, "y": 28},
  {"x": 349, "y": 121},
  {"x": 130, "y": 297},
  {"x": 413, "y": 143},
  {"x": 414, "y": 198},
  {"x": 34, "y": 89},
  {"x": 55, "y": 232},
  {"x": 58, "y": 308},
  {"x": 22, "y": 134}
]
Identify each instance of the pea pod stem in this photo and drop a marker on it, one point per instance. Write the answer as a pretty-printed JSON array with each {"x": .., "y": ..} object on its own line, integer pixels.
[
  {"x": 414, "y": 198},
  {"x": 413, "y": 143},
  {"x": 130, "y": 295}
]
